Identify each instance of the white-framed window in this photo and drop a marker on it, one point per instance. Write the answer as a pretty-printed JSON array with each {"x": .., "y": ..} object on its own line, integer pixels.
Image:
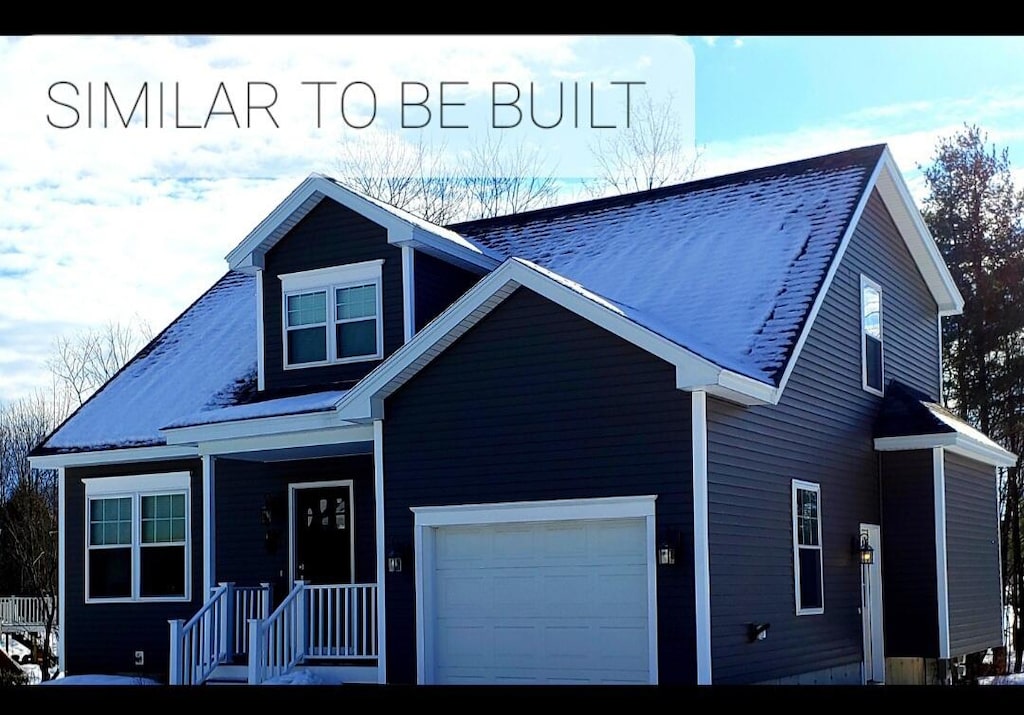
[
  {"x": 809, "y": 578},
  {"x": 138, "y": 539},
  {"x": 871, "y": 335},
  {"x": 332, "y": 315}
]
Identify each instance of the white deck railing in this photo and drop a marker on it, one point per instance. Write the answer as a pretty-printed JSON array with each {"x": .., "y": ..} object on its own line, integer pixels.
[
  {"x": 337, "y": 621},
  {"x": 216, "y": 633},
  {"x": 23, "y": 610}
]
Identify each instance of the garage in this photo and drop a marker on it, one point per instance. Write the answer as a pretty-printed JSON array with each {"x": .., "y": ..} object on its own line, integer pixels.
[{"x": 526, "y": 597}]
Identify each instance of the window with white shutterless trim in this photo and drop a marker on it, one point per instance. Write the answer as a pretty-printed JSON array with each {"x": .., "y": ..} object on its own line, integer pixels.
[
  {"x": 871, "y": 335},
  {"x": 808, "y": 581},
  {"x": 138, "y": 538},
  {"x": 332, "y": 315}
]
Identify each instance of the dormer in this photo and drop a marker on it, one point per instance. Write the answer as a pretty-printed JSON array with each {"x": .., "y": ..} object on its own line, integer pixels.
[{"x": 343, "y": 280}]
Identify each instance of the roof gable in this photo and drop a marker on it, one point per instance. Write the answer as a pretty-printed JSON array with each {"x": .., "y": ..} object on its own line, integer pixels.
[{"x": 402, "y": 227}]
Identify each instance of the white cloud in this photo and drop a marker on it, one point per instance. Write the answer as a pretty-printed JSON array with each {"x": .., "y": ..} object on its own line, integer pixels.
[{"x": 106, "y": 224}]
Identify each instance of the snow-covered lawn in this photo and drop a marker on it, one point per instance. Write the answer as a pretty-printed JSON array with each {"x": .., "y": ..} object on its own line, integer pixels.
[{"x": 99, "y": 680}]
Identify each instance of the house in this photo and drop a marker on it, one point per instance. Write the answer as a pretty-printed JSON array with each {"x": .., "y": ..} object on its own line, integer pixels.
[{"x": 688, "y": 435}]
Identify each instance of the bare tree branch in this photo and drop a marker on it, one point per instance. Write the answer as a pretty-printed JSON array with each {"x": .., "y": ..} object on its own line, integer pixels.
[{"x": 650, "y": 153}]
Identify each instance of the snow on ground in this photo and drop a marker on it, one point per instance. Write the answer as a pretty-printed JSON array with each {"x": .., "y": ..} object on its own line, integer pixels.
[
  {"x": 100, "y": 680},
  {"x": 303, "y": 677},
  {"x": 1012, "y": 679}
]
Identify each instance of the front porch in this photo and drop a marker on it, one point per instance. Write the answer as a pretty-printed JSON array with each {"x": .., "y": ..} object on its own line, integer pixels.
[
  {"x": 235, "y": 637},
  {"x": 291, "y": 568}
]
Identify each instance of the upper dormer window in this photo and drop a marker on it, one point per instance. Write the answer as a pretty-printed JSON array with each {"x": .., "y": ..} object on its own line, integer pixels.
[
  {"x": 332, "y": 315},
  {"x": 871, "y": 334}
]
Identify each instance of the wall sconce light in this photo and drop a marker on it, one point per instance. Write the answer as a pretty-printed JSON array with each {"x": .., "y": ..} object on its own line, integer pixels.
[
  {"x": 865, "y": 552},
  {"x": 666, "y": 554},
  {"x": 394, "y": 561},
  {"x": 266, "y": 515},
  {"x": 757, "y": 631},
  {"x": 267, "y": 522}
]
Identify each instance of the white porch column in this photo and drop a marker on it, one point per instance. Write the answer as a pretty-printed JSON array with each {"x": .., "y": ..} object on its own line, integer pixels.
[
  {"x": 378, "y": 482},
  {"x": 701, "y": 556},
  {"x": 209, "y": 550}
]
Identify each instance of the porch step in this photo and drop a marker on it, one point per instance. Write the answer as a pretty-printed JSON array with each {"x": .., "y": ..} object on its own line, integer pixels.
[{"x": 229, "y": 675}]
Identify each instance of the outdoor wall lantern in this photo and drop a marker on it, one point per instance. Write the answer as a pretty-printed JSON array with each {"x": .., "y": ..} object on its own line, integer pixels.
[
  {"x": 394, "y": 561},
  {"x": 267, "y": 522},
  {"x": 666, "y": 554},
  {"x": 757, "y": 631},
  {"x": 865, "y": 551}
]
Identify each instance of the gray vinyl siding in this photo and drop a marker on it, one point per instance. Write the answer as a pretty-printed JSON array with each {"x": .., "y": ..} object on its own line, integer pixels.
[
  {"x": 821, "y": 432},
  {"x": 972, "y": 552},
  {"x": 244, "y": 554},
  {"x": 536, "y": 403},
  {"x": 103, "y": 637},
  {"x": 910, "y": 338},
  {"x": 437, "y": 285},
  {"x": 909, "y": 594},
  {"x": 330, "y": 235}
]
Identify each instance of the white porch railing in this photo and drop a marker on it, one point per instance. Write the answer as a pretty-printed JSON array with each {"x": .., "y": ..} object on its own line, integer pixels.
[
  {"x": 274, "y": 644},
  {"x": 23, "y": 610},
  {"x": 216, "y": 633},
  {"x": 336, "y": 621},
  {"x": 341, "y": 621}
]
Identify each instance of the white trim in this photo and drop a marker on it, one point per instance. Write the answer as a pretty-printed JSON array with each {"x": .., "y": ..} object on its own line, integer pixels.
[
  {"x": 701, "y": 548},
  {"x": 426, "y": 520},
  {"x": 62, "y": 566},
  {"x": 955, "y": 442},
  {"x": 866, "y": 283},
  {"x": 209, "y": 546},
  {"x": 329, "y": 281},
  {"x": 801, "y": 485},
  {"x": 941, "y": 569},
  {"x": 423, "y": 545},
  {"x": 999, "y": 552},
  {"x": 290, "y": 440},
  {"x": 112, "y": 456},
  {"x": 378, "y": 498},
  {"x": 871, "y": 576},
  {"x": 551, "y": 510},
  {"x": 302, "y": 281},
  {"x": 942, "y": 398},
  {"x": 261, "y": 359},
  {"x": 135, "y": 487},
  {"x": 408, "y": 292},
  {"x": 157, "y": 482},
  {"x": 905, "y": 214},
  {"x": 253, "y": 427},
  {"x": 350, "y": 516},
  {"x": 402, "y": 227}
]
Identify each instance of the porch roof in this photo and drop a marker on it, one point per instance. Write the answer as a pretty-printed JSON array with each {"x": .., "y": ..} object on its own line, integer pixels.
[
  {"x": 292, "y": 405},
  {"x": 910, "y": 419}
]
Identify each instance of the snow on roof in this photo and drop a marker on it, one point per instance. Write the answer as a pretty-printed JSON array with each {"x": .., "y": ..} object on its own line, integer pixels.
[
  {"x": 201, "y": 359},
  {"x": 294, "y": 405},
  {"x": 727, "y": 267}
]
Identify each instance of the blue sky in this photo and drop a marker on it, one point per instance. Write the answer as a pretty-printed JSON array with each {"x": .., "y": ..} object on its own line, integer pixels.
[{"x": 111, "y": 223}]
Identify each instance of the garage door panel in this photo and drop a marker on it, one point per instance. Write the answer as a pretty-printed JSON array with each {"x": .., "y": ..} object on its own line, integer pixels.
[{"x": 555, "y": 602}]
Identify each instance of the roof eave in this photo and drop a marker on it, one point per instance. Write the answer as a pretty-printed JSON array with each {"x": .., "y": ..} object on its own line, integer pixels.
[
  {"x": 120, "y": 455},
  {"x": 955, "y": 442}
]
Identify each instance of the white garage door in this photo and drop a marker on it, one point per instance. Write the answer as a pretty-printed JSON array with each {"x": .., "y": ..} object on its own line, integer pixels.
[{"x": 541, "y": 602}]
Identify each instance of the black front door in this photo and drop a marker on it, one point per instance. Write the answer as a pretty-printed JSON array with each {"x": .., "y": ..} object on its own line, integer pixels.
[{"x": 323, "y": 534}]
